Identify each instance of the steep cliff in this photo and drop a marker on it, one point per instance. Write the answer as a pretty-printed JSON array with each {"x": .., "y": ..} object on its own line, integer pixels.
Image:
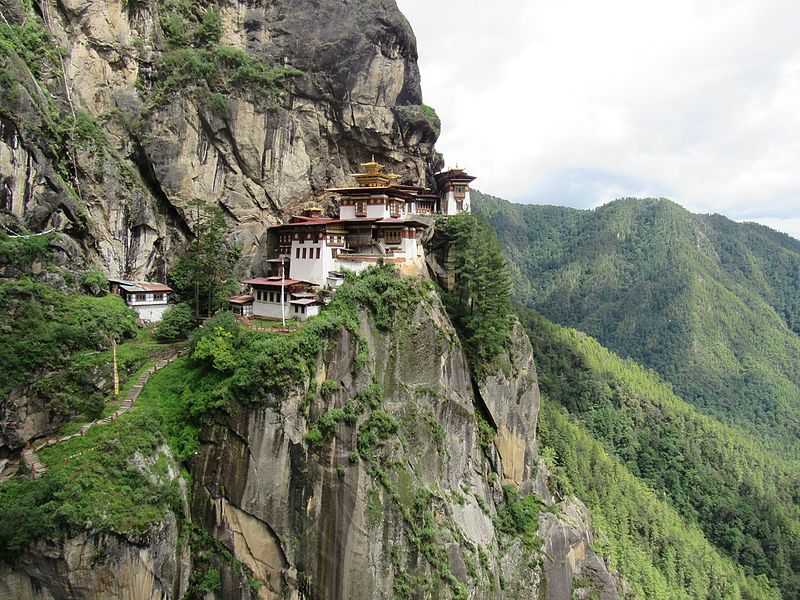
[
  {"x": 90, "y": 564},
  {"x": 354, "y": 458},
  {"x": 115, "y": 115}
]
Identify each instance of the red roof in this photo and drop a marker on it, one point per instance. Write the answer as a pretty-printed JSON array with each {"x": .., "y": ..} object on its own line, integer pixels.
[
  {"x": 309, "y": 221},
  {"x": 274, "y": 282},
  {"x": 241, "y": 299}
]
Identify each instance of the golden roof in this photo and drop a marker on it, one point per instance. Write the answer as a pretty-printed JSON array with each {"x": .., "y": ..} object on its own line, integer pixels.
[{"x": 374, "y": 176}]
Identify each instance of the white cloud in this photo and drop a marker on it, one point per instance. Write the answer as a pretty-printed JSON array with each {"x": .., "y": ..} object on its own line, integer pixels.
[{"x": 571, "y": 101}]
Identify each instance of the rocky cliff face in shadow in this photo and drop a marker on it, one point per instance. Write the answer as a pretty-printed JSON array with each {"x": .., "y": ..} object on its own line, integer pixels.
[{"x": 121, "y": 196}]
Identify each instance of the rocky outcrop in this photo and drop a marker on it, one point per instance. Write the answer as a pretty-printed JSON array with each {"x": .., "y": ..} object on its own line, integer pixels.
[
  {"x": 123, "y": 199},
  {"x": 511, "y": 399},
  {"x": 413, "y": 515},
  {"x": 344, "y": 526},
  {"x": 573, "y": 569},
  {"x": 86, "y": 565}
]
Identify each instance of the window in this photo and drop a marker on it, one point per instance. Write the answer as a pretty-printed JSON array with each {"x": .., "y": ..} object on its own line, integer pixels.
[
  {"x": 392, "y": 236},
  {"x": 304, "y": 252},
  {"x": 361, "y": 209},
  {"x": 298, "y": 253},
  {"x": 318, "y": 252}
]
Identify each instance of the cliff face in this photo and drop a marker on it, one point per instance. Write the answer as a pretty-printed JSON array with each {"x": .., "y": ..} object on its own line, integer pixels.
[
  {"x": 87, "y": 565},
  {"x": 329, "y": 522},
  {"x": 120, "y": 190},
  {"x": 403, "y": 499}
]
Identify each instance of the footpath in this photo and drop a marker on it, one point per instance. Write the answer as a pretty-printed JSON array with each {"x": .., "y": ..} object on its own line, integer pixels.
[{"x": 29, "y": 456}]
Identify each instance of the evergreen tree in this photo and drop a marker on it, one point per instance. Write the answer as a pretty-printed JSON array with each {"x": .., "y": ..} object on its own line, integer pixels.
[
  {"x": 204, "y": 275},
  {"x": 478, "y": 302}
]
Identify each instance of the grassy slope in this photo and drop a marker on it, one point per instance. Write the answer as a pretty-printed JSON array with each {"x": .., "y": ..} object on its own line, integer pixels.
[
  {"x": 710, "y": 304},
  {"x": 90, "y": 479},
  {"x": 746, "y": 502}
]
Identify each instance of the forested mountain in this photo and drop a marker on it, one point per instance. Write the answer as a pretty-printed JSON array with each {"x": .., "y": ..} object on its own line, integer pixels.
[
  {"x": 745, "y": 501},
  {"x": 712, "y": 305}
]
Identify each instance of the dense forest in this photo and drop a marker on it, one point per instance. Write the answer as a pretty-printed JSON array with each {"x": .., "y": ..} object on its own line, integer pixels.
[
  {"x": 712, "y": 305},
  {"x": 745, "y": 501}
]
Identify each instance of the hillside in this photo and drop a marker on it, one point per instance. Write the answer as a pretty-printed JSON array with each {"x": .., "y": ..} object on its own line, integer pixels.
[
  {"x": 712, "y": 305},
  {"x": 746, "y": 502}
]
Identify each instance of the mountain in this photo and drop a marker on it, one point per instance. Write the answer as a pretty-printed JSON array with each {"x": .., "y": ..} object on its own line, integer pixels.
[
  {"x": 115, "y": 116},
  {"x": 713, "y": 306},
  {"x": 745, "y": 501}
]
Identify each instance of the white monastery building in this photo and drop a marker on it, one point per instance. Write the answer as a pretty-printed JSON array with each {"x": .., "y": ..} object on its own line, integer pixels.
[
  {"x": 380, "y": 221},
  {"x": 150, "y": 300}
]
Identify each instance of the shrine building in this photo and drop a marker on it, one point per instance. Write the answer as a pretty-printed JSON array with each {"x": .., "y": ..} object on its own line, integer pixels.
[{"x": 380, "y": 221}]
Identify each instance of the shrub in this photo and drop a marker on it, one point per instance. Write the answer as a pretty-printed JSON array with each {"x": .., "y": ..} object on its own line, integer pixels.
[
  {"x": 176, "y": 322},
  {"x": 20, "y": 252}
]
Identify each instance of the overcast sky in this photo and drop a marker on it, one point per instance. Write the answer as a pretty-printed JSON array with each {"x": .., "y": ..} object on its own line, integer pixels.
[{"x": 578, "y": 102}]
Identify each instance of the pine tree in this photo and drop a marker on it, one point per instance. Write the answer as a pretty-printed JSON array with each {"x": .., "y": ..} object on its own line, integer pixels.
[{"x": 204, "y": 275}]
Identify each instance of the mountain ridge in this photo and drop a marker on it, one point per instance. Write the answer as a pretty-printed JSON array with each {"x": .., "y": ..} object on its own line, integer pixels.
[{"x": 710, "y": 304}]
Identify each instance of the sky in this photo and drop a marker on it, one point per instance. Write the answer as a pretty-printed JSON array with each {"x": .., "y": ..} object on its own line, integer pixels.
[{"x": 579, "y": 102}]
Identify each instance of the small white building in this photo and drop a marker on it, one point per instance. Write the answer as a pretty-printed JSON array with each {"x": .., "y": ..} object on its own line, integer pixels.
[
  {"x": 241, "y": 306},
  {"x": 276, "y": 298},
  {"x": 149, "y": 300},
  {"x": 454, "y": 191}
]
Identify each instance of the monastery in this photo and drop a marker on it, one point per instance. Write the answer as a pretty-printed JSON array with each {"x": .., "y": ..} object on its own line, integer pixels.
[{"x": 380, "y": 221}]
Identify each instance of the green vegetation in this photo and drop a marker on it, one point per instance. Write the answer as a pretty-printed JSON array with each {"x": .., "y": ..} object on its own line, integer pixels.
[
  {"x": 518, "y": 516},
  {"x": 32, "y": 42},
  {"x": 203, "y": 276},
  {"x": 745, "y": 501},
  {"x": 254, "y": 367},
  {"x": 478, "y": 304},
  {"x": 710, "y": 304},
  {"x": 92, "y": 481},
  {"x": 657, "y": 552},
  {"x": 20, "y": 252},
  {"x": 194, "y": 61},
  {"x": 43, "y": 328},
  {"x": 175, "y": 323},
  {"x": 433, "y": 119}
]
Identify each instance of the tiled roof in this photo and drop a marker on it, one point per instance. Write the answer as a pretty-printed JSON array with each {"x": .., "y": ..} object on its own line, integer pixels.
[
  {"x": 273, "y": 281},
  {"x": 133, "y": 287}
]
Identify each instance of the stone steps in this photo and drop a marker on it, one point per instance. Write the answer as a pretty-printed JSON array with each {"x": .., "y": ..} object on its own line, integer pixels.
[{"x": 31, "y": 460}]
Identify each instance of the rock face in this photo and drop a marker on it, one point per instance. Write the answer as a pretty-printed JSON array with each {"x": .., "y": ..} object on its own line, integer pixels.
[
  {"x": 86, "y": 566},
  {"x": 511, "y": 398},
  {"x": 124, "y": 202},
  {"x": 329, "y": 523},
  {"x": 573, "y": 569},
  {"x": 417, "y": 515}
]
